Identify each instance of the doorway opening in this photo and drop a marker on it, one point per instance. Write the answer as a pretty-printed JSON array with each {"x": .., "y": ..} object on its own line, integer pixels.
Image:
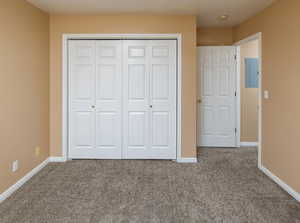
[
  {"x": 229, "y": 95},
  {"x": 249, "y": 76},
  {"x": 249, "y": 91}
]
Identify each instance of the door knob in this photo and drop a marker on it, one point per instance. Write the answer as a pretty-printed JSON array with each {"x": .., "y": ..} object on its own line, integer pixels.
[
  {"x": 150, "y": 106},
  {"x": 93, "y": 106},
  {"x": 199, "y": 101}
]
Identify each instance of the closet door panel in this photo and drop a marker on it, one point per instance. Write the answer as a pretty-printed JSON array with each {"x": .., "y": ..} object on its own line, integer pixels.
[
  {"x": 149, "y": 99},
  {"x": 108, "y": 99},
  {"x": 162, "y": 82},
  {"x": 82, "y": 97},
  {"x": 95, "y": 99},
  {"x": 135, "y": 100}
]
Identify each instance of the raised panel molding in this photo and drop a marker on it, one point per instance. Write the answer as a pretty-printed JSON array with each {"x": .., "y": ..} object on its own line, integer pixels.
[
  {"x": 160, "y": 130},
  {"x": 224, "y": 81},
  {"x": 160, "y": 51},
  {"x": 136, "y": 51},
  {"x": 107, "y": 51},
  {"x": 137, "y": 126},
  {"x": 106, "y": 131},
  {"x": 106, "y": 81},
  {"x": 137, "y": 81},
  {"x": 83, "y": 129},
  {"x": 82, "y": 83},
  {"x": 160, "y": 81},
  {"x": 83, "y": 51}
]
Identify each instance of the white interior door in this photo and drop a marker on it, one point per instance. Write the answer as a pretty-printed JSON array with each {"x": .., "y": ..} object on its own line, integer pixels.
[
  {"x": 217, "y": 97},
  {"x": 149, "y": 129},
  {"x": 95, "y": 99}
]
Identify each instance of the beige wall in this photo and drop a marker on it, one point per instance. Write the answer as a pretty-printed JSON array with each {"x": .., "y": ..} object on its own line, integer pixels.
[
  {"x": 249, "y": 97},
  {"x": 125, "y": 24},
  {"x": 214, "y": 36},
  {"x": 24, "y": 97},
  {"x": 279, "y": 25}
]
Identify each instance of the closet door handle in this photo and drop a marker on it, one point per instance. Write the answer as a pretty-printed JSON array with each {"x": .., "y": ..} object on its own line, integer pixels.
[
  {"x": 150, "y": 106},
  {"x": 93, "y": 106}
]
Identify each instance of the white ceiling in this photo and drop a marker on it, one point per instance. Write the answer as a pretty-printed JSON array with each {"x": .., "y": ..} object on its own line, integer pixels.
[{"x": 207, "y": 11}]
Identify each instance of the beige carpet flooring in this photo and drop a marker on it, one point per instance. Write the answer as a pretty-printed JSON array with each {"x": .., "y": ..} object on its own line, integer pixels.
[{"x": 224, "y": 186}]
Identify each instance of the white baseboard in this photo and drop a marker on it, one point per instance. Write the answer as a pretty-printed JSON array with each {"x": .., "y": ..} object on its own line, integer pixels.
[
  {"x": 186, "y": 160},
  {"x": 22, "y": 181},
  {"x": 250, "y": 144},
  {"x": 282, "y": 184},
  {"x": 27, "y": 177},
  {"x": 57, "y": 159}
]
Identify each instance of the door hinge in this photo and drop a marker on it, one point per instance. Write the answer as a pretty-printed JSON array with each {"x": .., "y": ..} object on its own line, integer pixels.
[
  {"x": 235, "y": 57},
  {"x": 235, "y": 130},
  {"x": 235, "y": 93}
]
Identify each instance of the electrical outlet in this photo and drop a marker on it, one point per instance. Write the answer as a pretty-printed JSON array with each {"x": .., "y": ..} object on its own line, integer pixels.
[
  {"x": 266, "y": 94},
  {"x": 37, "y": 151},
  {"x": 15, "y": 166}
]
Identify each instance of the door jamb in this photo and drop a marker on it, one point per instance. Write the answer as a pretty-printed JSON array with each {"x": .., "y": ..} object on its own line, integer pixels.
[
  {"x": 65, "y": 80},
  {"x": 238, "y": 97},
  {"x": 257, "y": 36}
]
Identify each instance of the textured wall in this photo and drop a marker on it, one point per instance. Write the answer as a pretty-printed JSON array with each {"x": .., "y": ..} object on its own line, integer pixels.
[
  {"x": 24, "y": 88},
  {"x": 214, "y": 36}
]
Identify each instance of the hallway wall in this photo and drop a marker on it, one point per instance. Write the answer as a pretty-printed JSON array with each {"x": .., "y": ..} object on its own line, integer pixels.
[
  {"x": 279, "y": 25},
  {"x": 249, "y": 97}
]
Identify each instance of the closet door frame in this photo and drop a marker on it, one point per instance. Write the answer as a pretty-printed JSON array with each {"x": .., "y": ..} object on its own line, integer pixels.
[{"x": 65, "y": 84}]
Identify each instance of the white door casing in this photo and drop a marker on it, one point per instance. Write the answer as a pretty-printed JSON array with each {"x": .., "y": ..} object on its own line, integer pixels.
[
  {"x": 95, "y": 99},
  {"x": 149, "y": 103},
  {"x": 217, "y": 97}
]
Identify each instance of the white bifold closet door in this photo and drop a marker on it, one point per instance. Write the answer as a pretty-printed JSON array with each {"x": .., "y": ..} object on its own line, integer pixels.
[
  {"x": 149, "y": 99},
  {"x": 95, "y": 69},
  {"x": 122, "y": 102}
]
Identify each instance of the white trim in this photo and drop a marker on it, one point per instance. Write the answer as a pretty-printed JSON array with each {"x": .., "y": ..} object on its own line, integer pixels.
[
  {"x": 22, "y": 181},
  {"x": 257, "y": 36},
  {"x": 179, "y": 94},
  {"x": 248, "y": 144},
  {"x": 187, "y": 160},
  {"x": 282, "y": 184},
  {"x": 122, "y": 36},
  {"x": 238, "y": 96},
  {"x": 248, "y": 39},
  {"x": 57, "y": 159},
  {"x": 65, "y": 101},
  {"x": 65, "y": 86}
]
